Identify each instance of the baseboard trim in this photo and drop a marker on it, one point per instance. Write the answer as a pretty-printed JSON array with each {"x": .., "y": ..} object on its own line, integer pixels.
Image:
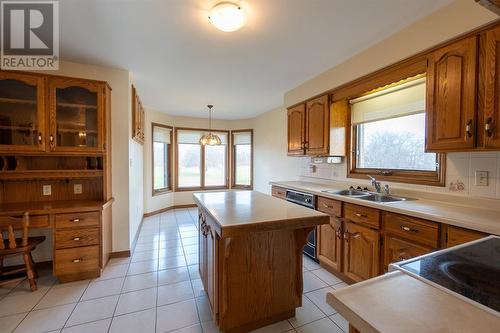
[
  {"x": 136, "y": 237},
  {"x": 163, "y": 210},
  {"x": 120, "y": 254}
]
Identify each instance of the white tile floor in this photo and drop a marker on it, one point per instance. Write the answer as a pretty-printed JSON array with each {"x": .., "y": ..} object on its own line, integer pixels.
[{"x": 158, "y": 289}]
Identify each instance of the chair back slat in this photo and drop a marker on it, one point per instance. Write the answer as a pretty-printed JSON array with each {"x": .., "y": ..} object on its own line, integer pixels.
[{"x": 11, "y": 223}]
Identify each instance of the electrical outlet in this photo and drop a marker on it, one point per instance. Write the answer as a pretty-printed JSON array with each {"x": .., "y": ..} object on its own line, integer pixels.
[
  {"x": 77, "y": 188},
  {"x": 481, "y": 178},
  {"x": 47, "y": 190}
]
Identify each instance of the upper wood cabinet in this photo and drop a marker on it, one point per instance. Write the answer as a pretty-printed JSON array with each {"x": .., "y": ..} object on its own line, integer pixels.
[
  {"x": 22, "y": 114},
  {"x": 76, "y": 115},
  {"x": 489, "y": 89},
  {"x": 451, "y": 97},
  {"x": 296, "y": 130},
  {"x": 317, "y": 126},
  {"x": 138, "y": 117},
  {"x": 308, "y": 128}
]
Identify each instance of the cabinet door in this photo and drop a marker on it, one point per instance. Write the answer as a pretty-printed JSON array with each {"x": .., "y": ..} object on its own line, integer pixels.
[
  {"x": 361, "y": 252},
  {"x": 296, "y": 130},
  {"x": 396, "y": 249},
  {"x": 330, "y": 244},
  {"x": 211, "y": 268},
  {"x": 489, "y": 89},
  {"x": 76, "y": 115},
  {"x": 22, "y": 112},
  {"x": 202, "y": 249},
  {"x": 451, "y": 97},
  {"x": 317, "y": 126}
]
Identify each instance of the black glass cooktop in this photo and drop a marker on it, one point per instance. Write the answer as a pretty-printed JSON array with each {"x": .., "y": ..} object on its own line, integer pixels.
[{"x": 472, "y": 271}]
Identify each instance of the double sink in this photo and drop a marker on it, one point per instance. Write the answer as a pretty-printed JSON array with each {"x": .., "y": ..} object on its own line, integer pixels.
[{"x": 368, "y": 196}]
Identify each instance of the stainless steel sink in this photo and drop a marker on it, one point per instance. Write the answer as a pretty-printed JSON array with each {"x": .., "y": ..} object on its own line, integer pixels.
[
  {"x": 349, "y": 193},
  {"x": 382, "y": 198}
]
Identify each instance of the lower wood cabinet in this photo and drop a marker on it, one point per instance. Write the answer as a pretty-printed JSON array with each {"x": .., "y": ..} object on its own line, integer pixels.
[
  {"x": 208, "y": 244},
  {"x": 457, "y": 236},
  {"x": 361, "y": 252},
  {"x": 278, "y": 192},
  {"x": 330, "y": 244},
  {"x": 397, "y": 249}
]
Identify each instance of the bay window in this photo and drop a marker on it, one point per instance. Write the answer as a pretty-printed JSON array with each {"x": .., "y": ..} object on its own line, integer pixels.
[
  {"x": 162, "y": 160},
  {"x": 201, "y": 166},
  {"x": 242, "y": 153}
]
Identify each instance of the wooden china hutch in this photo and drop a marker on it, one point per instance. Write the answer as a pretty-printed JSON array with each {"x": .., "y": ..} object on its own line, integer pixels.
[{"x": 55, "y": 164}]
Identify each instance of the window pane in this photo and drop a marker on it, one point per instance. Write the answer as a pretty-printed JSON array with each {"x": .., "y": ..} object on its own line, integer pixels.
[
  {"x": 189, "y": 165},
  {"x": 396, "y": 143},
  {"x": 215, "y": 165},
  {"x": 160, "y": 165},
  {"x": 243, "y": 161}
]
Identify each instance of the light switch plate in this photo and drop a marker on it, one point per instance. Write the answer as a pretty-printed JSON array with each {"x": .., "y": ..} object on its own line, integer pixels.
[
  {"x": 481, "y": 178},
  {"x": 77, "y": 188},
  {"x": 47, "y": 190}
]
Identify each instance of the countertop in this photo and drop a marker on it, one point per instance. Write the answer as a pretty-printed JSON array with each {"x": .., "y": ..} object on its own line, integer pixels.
[
  {"x": 396, "y": 302},
  {"x": 52, "y": 207},
  {"x": 251, "y": 211},
  {"x": 480, "y": 219}
]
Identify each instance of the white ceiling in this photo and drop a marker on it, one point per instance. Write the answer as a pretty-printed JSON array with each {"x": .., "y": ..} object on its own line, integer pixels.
[{"x": 180, "y": 63}]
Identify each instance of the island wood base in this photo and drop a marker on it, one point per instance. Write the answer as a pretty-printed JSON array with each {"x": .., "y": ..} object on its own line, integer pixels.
[{"x": 252, "y": 279}]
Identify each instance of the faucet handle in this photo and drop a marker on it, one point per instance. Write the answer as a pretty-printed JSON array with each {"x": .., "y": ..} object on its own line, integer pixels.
[
  {"x": 387, "y": 189},
  {"x": 372, "y": 178}
]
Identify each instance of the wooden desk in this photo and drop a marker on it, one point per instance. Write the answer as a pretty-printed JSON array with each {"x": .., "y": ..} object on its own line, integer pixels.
[{"x": 81, "y": 234}]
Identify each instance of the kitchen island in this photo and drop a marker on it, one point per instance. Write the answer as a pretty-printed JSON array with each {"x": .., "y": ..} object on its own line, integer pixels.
[{"x": 250, "y": 256}]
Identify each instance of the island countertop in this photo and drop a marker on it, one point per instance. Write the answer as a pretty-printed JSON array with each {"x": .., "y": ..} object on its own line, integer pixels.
[{"x": 251, "y": 211}]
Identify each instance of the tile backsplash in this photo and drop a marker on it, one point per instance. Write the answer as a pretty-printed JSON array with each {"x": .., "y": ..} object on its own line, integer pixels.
[{"x": 460, "y": 175}]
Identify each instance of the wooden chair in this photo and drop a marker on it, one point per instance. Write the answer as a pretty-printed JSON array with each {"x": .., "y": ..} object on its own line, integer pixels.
[{"x": 12, "y": 246}]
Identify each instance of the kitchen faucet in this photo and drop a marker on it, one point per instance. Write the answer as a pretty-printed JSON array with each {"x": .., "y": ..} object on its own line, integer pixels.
[{"x": 375, "y": 184}]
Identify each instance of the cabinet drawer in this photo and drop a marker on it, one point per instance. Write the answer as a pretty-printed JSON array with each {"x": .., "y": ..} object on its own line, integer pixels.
[
  {"x": 421, "y": 231},
  {"x": 396, "y": 249},
  {"x": 330, "y": 206},
  {"x": 457, "y": 236},
  {"x": 77, "y": 220},
  {"x": 361, "y": 214},
  {"x": 278, "y": 192},
  {"x": 76, "y": 237},
  {"x": 77, "y": 260}
]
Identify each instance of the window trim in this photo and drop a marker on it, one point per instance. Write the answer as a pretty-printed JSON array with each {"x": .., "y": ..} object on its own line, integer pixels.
[
  {"x": 233, "y": 161},
  {"x": 202, "y": 162},
  {"x": 370, "y": 84},
  {"x": 155, "y": 192}
]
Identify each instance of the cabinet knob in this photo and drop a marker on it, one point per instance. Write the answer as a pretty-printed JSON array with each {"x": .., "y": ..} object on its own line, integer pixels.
[
  {"x": 77, "y": 260},
  {"x": 487, "y": 127},
  {"x": 468, "y": 129},
  {"x": 40, "y": 138},
  {"x": 76, "y": 220},
  {"x": 76, "y": 238},
  {"x": 360, "y": 215},
  {"x": 408, "y": 229}
]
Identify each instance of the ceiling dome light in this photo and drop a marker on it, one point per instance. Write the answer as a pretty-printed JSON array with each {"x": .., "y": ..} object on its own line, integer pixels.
[{"x": 227, "y": 16}]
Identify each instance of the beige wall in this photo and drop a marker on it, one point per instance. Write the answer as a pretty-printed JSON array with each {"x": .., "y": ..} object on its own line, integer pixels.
[
  {"x": 450, "y": 21},
  {"x": 270, "y": 159}
]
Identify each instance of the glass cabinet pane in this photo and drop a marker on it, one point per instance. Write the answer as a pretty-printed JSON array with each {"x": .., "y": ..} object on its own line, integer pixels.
[
  {"x": 76, "y": 117},
  {"x": 18, "y": 113}
]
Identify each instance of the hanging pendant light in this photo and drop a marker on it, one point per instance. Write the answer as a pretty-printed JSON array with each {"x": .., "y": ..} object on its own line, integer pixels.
[{"x": 210, "y": 139}]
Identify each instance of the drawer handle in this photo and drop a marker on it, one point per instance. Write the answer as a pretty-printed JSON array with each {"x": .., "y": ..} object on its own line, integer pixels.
[
  {"x": 360, "y": 215},
  {"x": 77, "y": 260},
  {"x": 76, "y": 220},
  {"x": 408, "y": 229},
  {"x": 76, "y": 238},
  {"x": 327, "y": 206}
]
